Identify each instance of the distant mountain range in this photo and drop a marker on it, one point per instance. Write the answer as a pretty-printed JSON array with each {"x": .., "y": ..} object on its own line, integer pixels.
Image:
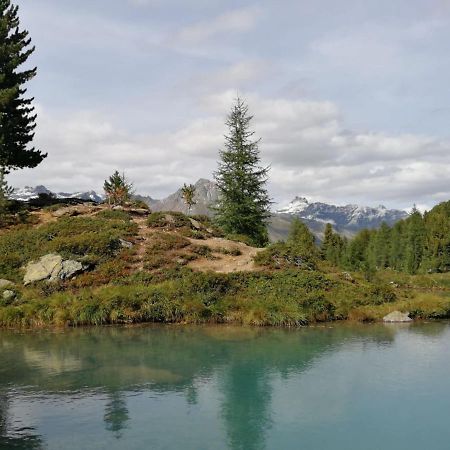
[
  {"x": 28, "y": 193},
  {"x": 347, "y": 220}
]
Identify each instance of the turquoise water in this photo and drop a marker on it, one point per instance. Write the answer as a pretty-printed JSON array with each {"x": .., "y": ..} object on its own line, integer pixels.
[{"x": 154, "y": 387}]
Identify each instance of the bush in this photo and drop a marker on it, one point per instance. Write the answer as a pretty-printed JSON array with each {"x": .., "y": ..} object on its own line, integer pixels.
[
  {"x": 282, "y": 255},
  {"x": 169, "y": 220},
  {"x": 160, "y": 241},
  {"x": 114, "y": 214}
]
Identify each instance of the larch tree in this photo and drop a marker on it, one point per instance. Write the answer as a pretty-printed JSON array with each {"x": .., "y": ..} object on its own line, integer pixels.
[
  {"x": 243, "y": 205},
  {"x": 188, "y": 195},
  {"x": 118, "y": 189},
  {"x": 17, "y": 115}
]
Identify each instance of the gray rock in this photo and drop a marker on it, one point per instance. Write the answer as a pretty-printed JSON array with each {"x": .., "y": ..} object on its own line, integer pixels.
[
  {"x": 52, "y": 267},
  {"x": 125, "y": 244},
  {"x": 139, "y": 212},
  {"x": 69, "y": 269},
  {"x": 8, "y": 296},
  {"x": 48, "y": 267},
  {"x": 195, "y": 224},
  {"x": 5, "y": 283},
  {"x": 348, "y": 277},
  {"x": 397, "y": 316}
]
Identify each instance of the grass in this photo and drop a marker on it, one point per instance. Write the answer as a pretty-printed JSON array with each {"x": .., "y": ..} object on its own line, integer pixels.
[
  {"x": 91, "y": 239},
  {"x": 289, "y": 290}
]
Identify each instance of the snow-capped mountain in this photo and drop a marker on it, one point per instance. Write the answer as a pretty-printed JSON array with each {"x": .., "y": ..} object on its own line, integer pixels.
[
  {"x": 347, "y": 220},
  {"x": 28, "y": 193},
  {"x": 350, "y": 217}
]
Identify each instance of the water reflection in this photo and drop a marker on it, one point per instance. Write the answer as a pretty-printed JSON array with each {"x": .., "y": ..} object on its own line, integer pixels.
[{"x": 171, "y": 361}]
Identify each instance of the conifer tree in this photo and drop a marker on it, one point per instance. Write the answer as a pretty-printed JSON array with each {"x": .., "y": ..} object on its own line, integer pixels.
[
  {"x": 243, "y": 206},
  {"x": 301, "y": 239},
  {"x": 188, "y": 194},
  {"x": 118, "y": 189},
  {"x": 414, "y": 241},
  {"x": 327, "y": 241},
  {"x": 17, "y": 116}
]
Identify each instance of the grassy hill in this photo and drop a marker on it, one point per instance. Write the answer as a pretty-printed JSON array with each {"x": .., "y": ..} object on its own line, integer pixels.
[{"x": 168, "y": 267}]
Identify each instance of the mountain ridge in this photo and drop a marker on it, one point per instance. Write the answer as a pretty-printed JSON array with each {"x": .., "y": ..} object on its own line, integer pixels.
[{"x": 346, "y": 220}]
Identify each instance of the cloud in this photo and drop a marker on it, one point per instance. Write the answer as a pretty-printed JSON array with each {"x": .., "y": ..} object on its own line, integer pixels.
[
  {"x": 305, "y": 142},
  {"x": 236, "y": 21}
]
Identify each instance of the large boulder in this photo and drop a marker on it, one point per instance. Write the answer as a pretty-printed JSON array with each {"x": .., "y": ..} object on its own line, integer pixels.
[
  {"x": 47, "y": 268},
  {"x": 52, "y": 267},
  {"x": 397, "y": 316}
]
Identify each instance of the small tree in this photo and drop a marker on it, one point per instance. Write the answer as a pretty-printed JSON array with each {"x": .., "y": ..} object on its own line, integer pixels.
[
  {"x": 243, "y": 206},
  {"x": 17, "y": 115},
  {"x": 118, "y": 189},
  {"x": 188, "y": 194},
  {"x": 301, "y": 239}
]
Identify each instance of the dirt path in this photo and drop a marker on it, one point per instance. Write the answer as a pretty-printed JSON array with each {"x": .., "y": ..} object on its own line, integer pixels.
[
  {"x": 141, "y": 240},
  {"x": 225, "y": 263}
]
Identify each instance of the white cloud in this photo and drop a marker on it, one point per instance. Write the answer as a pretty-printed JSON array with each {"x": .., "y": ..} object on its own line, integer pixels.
[
  {"x": 236, "y": 21},
  {"x": 305, "y": 142}
]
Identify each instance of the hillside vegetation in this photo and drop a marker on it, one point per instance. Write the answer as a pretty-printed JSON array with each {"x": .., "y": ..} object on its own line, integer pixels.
[{"x": 168, "y": 267}]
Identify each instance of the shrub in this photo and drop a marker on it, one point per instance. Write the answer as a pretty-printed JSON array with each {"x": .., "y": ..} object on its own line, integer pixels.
[
  {"x": 282, "y": 255},
  {"x": 114, "y": 214},
  {"x": 169, "y": 220},
  {"x": 166, "y": 241}
]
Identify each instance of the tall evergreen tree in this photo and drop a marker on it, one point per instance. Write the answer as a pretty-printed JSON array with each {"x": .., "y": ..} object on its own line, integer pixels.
[
  {"x": 414, "y": 241},
  {"x": 17, "y": 116},
  {"x": 301, "y": 239},
  {"x": 243, "y": 206}
]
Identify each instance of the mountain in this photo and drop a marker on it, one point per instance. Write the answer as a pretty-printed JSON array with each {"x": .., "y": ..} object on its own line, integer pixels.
[
  {"x": 28, "y": 193},
  {"x": 206, "y": 194},
  {"x": 347, "y": 220}
]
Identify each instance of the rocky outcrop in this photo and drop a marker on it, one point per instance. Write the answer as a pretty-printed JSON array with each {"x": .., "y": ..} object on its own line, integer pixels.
[
  {"x": 397, "y": 316},
  {"x": 51, "y": 267}
]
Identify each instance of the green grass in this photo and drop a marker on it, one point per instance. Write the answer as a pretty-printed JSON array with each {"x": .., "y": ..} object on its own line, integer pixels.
[
  {"x": 283, "y": 293},
  {"x": 90, "y": 239}
]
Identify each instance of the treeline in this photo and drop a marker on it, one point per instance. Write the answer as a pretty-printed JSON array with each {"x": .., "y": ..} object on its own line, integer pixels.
[{"x": 417, "y": 244}]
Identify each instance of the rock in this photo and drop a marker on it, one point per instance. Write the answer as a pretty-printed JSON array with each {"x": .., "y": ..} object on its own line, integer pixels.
[
  {"x": 139, "y": 212},
  {"x": 8, "y": 296},
  {"x": 394, "y": 284},
  {"x": 48, "y": 267},
  {"x": 5, "y": 283},
  {"x": 118, "y": 208},
  {"x": 397, "y": 316},
  {"x": 195, "y": 224},
  {"x": 348, "y": 277},
  {"x": 69, "y": 269},
  {"x": 125, "y": 244},
  {"x": 52, "y": 267}
]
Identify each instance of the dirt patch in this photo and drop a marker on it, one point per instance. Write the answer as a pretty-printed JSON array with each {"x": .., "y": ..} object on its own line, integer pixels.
[{"x": 222, "y": 262}]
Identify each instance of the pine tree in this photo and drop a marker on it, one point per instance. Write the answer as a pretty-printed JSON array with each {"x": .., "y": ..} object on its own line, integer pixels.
[
  {"x": 188, "y": 194},
  {"x": 17, "y": 117},
  {"x": 327, "y": 241},
  {"x": 414, "y": 241},
  {"x": 301, "y": 239},
  {"x": 5, "y": 192},
  {"x": 243, "y": 206},
  {"x": 117, "y": 189}
]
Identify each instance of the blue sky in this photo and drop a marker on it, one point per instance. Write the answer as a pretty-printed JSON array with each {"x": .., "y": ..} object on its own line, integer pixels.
[{"x": 351, "y": 99}]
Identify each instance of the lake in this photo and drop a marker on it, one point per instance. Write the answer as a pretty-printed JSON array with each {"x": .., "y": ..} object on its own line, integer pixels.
[{"x": 337, "y": 386}]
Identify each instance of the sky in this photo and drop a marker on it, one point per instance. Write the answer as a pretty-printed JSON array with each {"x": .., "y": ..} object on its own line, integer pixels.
[{"x": 351, "y": 99}]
